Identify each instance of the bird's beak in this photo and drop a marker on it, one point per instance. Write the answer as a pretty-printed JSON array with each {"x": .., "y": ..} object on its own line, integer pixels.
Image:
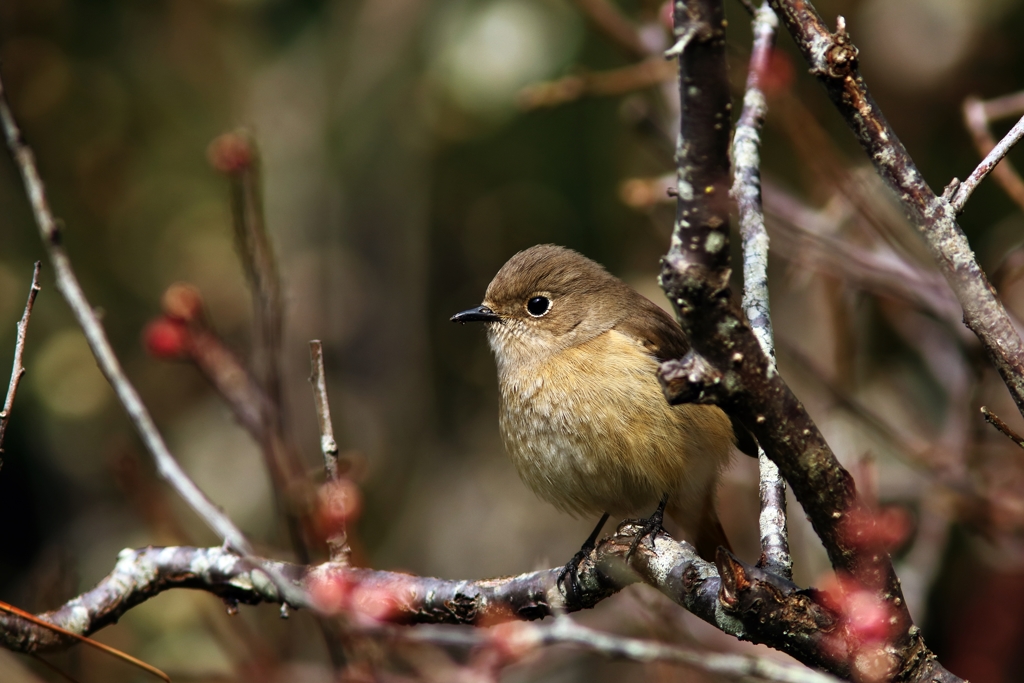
[{"x": 480, "y": 314}]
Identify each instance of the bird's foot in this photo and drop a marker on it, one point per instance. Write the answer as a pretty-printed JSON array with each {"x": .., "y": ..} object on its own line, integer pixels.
[
  {"x": 574, "y": 592},
  {"x": 650, "y": 527},
  {"x": 571, "y": 571}
]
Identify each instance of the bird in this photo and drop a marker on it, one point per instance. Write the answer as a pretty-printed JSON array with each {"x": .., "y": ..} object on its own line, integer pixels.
[{"x": 582, "y": 414}]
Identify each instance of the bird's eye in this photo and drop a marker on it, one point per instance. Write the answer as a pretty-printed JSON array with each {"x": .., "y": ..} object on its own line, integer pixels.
[{"x": 538, "y": 306}]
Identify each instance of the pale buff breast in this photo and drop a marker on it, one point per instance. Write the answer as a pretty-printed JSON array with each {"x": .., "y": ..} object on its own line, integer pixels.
[{"x": 589, "y": 430}]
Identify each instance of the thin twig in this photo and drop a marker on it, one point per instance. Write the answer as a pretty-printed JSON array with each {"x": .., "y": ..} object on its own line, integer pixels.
[
  {"x": 18, "y": 369},
  {"x": 68, "y": 286},
  {"x": 746, "y": 189},
  {"x": 996, "y": 422},
  {"x": 977, "y": 115},
  {"x": 328, "y": 446},
  {"x": 337, "y": 543},
  {"x": 963, "y": 192},
  {"x": 610, "y": 83}
]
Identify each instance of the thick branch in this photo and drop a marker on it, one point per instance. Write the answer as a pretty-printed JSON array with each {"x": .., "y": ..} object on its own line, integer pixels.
[
  {"x": 727, "y": 365},
  {"x": 754, "y": 605},
  {"x": 833, "y": 59}
]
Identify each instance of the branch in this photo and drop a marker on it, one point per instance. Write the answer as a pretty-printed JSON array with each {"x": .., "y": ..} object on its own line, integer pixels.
[
  {"x": 71, "y": 290},
  {"x": 749, "y": 603},
  {"x": 998, "y": 423},
  {"x": 991, "y": 160},
  {"x": 610, "y": 21},
  {"x": 833, "y": 59},
  {"x": 337, "y": 542},
  {"x": 17, "y": 369},
  {"x": 727, "y": 366},
  {"x": 977, "y": 115},
  {"x": 564, "y": 631},
  {"x": 611, "y": 83},
  {"x": 236, "y": 155},
  {"x": 318, "y": 379},
  {"x": 746, "y": 189}
]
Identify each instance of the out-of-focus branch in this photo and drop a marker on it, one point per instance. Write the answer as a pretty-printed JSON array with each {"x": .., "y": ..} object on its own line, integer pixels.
[
  {"x": 610, "y": 21},
  {"x": 562, "y": 630},
  {"x": 236, "y": 155},
  {"x": 183, "y": 333},
  {"x": 612, "y": 83},
  {"x": 977, "y": 115},
  {"x": 17, "y": 369},
  {"x": 71, "y": 290},
  {"x": 961, "y": 192},
  {"x": 804, "y": 235},
  {"x": 746, "y": 189},
  {"x": 833, "y": 59}
]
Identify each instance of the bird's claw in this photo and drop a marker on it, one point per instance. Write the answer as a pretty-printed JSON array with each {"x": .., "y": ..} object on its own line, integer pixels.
[
  {"x": 651, "y": 527},
  {"x": 573, "y": 590}
]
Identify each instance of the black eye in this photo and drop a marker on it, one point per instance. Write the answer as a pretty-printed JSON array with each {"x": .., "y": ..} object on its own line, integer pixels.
[{"x": 538, "y": 306}]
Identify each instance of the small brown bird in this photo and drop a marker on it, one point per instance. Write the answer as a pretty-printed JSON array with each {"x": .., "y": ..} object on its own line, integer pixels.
[{"x": 582, "y": 414}]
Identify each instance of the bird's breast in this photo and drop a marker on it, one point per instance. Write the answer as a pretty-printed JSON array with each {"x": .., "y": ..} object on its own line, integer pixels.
[{"x": 589, "y": 430}]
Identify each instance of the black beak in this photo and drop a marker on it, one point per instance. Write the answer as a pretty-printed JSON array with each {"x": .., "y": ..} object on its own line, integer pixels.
[{"x": 480, "y": 314}]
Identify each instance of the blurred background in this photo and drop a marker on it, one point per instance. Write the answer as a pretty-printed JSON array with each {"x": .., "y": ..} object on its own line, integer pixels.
[{"x": 409, "y": 147}]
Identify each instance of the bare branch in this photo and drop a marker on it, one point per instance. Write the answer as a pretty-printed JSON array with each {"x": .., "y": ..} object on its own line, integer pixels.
[
  {"x": 996, "y": 422},
  {"x": 318, "y": 379},
  {"x": 611, "y": 83},
  {"x": 833, "y": 59},
  {"x": 726, "y": 365},
  {"x": 565, "y": 631},
  {"x": 609, "y": 20},
  {"x": 991, "y": 160},
  {"x": 235, "y": 154},
  {"x": 749, "y": 603},
  {"x": 17, "y": 369},
  {"x": 977, "y": 115},
  {"x": 746, "y": 189},
  {"x": 337, "y": 543},
  {"x": 68, "y": 286}
]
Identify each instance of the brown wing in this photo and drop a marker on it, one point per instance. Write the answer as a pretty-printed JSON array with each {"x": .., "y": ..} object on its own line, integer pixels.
[
  {"x": 654, "y": 328},
  {"x": 661, "y": 335}
]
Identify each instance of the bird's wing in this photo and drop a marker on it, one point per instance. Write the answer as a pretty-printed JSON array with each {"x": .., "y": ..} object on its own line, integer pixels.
[
  {"x": 655, "y": 329},
  {"x": 661, "y": 335}
]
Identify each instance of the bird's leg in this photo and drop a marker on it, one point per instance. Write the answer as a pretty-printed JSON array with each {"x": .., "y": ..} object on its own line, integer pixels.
[
  {"x": 651, "y": 526},
  {"x": 571, "y": 569}
]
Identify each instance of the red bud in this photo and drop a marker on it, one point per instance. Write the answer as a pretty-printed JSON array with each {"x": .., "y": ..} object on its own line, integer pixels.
[
  {"x": 230, "y": 153},
  {"x": 166, "y": 338}
]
